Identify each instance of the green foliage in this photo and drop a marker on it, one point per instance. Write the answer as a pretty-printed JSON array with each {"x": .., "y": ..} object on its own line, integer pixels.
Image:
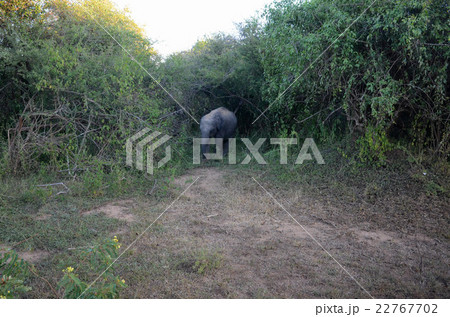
[
  {"x": 386, "y": 70},
  {"x": 391, "y": 65},
  {"x": 199, "y": 75},
  {"x": 80, "y": 92},
  {"x": 68, "y": 92},
  {"x": 206, "y": 262},
  {"x": 13, "y": 272},
  {"x": 433, "y": 189},
  {"x": 97, "y": 260},
  {"x": 373, "y": 146},
  {"x": 35, "y": 195},
  {"x": 220, "y": 70},
  {"x": 93, "y": 179}
]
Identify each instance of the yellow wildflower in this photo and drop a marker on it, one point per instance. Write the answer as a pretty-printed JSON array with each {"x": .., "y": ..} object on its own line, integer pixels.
[
  {"x": 123, "y": 281},
  {"x": 69, "y": 269}
]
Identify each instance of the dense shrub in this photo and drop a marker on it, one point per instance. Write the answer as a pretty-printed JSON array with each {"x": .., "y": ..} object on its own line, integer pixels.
[
  {"x": 389, "y": 70},
  {"x": 67, "y": 88}
]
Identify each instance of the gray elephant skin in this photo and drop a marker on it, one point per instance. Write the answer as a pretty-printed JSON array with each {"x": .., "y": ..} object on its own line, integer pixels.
[{"x": 219, "y": 123}]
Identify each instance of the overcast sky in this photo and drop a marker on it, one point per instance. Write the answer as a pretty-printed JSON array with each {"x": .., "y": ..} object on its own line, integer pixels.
[{"x": 176, "y": 24}]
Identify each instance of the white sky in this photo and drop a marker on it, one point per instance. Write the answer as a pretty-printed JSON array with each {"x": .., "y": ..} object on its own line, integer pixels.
[{"x": 176, "y": 24}]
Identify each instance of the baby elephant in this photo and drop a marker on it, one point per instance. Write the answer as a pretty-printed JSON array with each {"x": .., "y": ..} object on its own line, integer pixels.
[{"x": 219, "y": 123}]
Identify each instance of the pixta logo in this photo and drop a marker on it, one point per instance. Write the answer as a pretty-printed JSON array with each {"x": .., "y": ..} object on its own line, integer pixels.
[
  {"x": 229, "y": 146},
  {"x": 146, "y": 142},
  {"x": 145, "y": 146}
]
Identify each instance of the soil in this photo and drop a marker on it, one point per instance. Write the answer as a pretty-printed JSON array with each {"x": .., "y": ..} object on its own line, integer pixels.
[
  {"x": 30, "y": 256},
  {"x": 33, "y": 256},
  {"x": 118, "y": 210},
  {"x": 227, "y": 218}
]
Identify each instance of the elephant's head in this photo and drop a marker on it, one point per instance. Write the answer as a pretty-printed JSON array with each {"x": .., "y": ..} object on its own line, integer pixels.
[{"x": 219, "y": 123}]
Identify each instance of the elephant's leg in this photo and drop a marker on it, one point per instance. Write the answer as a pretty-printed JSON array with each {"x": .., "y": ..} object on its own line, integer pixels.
[
  {"x": 219, "y": 145},
  {"x": 205, "y": 147},
  {"x": 226, "y": 146}
]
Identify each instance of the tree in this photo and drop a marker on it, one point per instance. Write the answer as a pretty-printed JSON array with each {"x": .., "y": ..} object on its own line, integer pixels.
[{"x": 73, "y": 89}]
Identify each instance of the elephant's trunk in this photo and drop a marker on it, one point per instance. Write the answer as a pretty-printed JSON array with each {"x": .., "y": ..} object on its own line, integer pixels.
[{"x": 205, "y": 147}]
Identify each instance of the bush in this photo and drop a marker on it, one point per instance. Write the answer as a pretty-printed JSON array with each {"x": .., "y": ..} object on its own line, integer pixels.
[
  {"x": 96, "y": 262},
  {"x": 373, "y": 146},
  {"x": 80, "y": 93},
  {"x": 387, "y": 71},
  {"x": 13, "y": 272},
  {"x": 99, "y": 260}
]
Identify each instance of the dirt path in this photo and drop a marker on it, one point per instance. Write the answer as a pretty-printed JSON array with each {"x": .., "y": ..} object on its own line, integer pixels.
[{"x": 227, "y": 238}]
